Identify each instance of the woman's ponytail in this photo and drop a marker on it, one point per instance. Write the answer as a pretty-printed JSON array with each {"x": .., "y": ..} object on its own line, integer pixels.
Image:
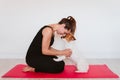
[{"x": 73, "y": 23}]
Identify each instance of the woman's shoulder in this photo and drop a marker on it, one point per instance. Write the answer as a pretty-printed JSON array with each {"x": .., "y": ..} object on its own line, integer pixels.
[
  {"x": 47, "y": 26},
  {"x": 47, "y": 29}
]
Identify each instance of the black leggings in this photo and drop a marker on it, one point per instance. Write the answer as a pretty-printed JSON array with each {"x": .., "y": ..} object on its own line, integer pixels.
[{"x": 45, "y": 64}]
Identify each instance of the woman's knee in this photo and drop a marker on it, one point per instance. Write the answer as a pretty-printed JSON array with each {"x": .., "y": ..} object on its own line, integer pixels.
[{"x": 60, "y": 67}]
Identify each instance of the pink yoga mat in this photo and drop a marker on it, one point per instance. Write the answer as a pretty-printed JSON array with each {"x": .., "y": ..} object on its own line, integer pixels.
[{"x": 95, "y": 71}]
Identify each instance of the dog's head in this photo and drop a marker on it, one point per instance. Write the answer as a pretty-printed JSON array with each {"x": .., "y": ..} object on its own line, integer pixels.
[{"x": 69, "y": 37}]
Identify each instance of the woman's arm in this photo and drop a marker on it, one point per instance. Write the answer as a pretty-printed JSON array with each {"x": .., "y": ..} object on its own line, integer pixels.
[
  {"x": 66, "y": 52},
  {"x": 46, "y": 49}
]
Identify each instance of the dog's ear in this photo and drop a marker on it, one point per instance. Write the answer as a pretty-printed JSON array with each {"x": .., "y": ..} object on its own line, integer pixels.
[
  {"x": 65, "y": 36},
  {"x": 73, "y": 37},
  {"x": 69, "y": 37}
]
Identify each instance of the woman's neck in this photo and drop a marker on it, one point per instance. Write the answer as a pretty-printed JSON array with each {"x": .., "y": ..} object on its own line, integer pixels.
[{"x": 54, "y": 26}]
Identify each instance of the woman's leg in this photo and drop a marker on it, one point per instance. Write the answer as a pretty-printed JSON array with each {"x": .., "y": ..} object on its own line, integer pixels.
[{"x": 47, "y": 64}]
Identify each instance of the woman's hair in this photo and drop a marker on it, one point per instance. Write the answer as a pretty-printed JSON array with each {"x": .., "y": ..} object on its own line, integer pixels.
[{"x": 70, "y": 23}]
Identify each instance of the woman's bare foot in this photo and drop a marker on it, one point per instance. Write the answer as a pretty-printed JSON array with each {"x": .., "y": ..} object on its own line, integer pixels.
[{"x": 28, "y": 69}]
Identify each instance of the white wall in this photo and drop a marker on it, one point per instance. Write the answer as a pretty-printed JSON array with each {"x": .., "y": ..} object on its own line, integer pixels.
[{"x": 98, "y": 25}]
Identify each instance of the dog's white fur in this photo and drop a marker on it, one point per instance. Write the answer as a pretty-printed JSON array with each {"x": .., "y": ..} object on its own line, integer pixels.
[{"x": 76, "y": 57}]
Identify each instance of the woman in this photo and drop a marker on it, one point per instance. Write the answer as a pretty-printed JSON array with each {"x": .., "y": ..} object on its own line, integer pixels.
[{"x": 40, "y": 54}]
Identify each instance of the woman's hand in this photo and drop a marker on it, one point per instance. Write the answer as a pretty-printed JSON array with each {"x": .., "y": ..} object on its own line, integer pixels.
[{"x": 67, "y": 52}]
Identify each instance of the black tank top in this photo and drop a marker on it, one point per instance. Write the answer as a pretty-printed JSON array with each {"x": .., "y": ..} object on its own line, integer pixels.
[{"x": 35, "y": 48}]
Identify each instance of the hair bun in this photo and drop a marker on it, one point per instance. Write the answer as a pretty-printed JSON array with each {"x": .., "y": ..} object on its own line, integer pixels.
[{"x": 70, "y": 18}]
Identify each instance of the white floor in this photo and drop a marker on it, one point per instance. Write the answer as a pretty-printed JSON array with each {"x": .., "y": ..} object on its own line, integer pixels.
[{"x": 113, "y": 64}]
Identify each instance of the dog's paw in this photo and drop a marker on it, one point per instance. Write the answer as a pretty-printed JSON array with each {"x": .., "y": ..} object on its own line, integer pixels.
[
  {"x": 57, "y": 60},
  {"x": 81, "y": 71}
]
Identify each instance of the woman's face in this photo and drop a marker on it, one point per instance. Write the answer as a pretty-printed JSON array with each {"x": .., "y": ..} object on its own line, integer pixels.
[{"x": 62, "y": 31}]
